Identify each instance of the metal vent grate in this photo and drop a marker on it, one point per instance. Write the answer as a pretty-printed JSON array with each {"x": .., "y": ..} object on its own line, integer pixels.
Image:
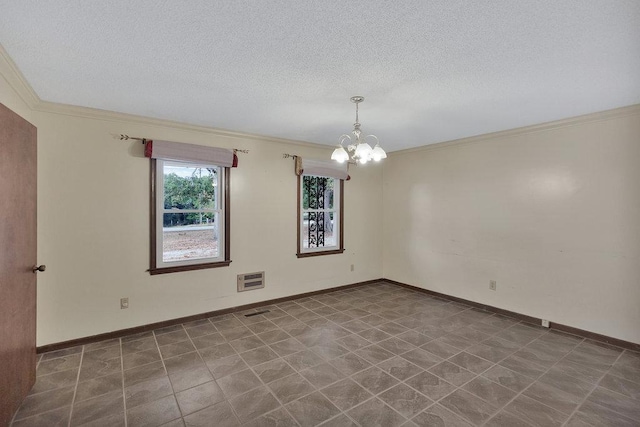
[{"x": 250, "y": 281}]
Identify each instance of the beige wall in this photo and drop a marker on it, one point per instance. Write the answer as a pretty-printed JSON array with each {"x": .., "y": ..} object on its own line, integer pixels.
[{"x": 552, "y": 215}]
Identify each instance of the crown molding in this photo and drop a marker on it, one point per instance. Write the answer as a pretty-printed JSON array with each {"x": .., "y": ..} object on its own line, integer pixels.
[
  {"x": 98, "y": 114},
  {"x": 615, "y": 113},
  {"x": 9, "y": 70}
]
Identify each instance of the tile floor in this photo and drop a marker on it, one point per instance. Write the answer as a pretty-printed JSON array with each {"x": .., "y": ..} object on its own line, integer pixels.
[{"x": 376, "y": 355}]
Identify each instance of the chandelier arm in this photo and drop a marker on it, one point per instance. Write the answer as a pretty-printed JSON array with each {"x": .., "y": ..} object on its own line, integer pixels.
[
  {"x": 372, "y": 136},
  {"x": 343, "y": 138}
]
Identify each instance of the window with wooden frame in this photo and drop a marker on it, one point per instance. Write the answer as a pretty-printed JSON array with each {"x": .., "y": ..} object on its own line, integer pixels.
[
  {"x": 320, "y": 208},
  {"x": 320, "y": 225},
  {"x": 190, "y": 219}
]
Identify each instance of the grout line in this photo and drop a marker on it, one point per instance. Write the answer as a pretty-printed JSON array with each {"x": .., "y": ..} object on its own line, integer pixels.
[
  {"x": 75, "y": 389},
  {"x": 124, "y": 397}
]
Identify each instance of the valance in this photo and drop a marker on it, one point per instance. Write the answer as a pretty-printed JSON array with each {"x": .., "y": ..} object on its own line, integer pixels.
[
  {"x": 322, "y": 168},
  {"x": 178, "y": 151}
]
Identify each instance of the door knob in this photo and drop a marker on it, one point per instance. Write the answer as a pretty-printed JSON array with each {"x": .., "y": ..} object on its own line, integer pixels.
[{"x": 37, "y": 268}]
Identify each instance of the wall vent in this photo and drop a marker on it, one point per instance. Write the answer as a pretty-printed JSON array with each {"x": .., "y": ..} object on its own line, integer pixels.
[{"x": 250, "y": 281}]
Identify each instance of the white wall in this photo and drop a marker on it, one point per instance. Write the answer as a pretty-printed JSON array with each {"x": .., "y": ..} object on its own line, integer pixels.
[{"x": 552, "y": 215}]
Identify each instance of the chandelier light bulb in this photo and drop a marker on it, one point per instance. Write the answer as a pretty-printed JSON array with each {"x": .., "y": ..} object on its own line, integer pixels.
[{"x": 361, "y": 152}]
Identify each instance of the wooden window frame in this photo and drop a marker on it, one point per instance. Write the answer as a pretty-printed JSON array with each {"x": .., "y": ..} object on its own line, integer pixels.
[{"x": 154, "y": 269}]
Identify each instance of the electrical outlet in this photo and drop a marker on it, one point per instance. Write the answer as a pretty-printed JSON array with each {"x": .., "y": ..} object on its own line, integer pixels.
[
  {"x": 124, "y": 303},
  {"x": 545, "y": 323},
  {"x": 353, "y": 267},
  {"x": 492, "y": 285}
]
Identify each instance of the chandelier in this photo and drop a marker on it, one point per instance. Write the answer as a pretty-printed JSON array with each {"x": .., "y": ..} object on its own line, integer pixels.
[{"x": 361, "y": 152}]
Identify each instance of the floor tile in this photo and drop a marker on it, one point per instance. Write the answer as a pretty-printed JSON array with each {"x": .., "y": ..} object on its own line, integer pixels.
[
  {"x": 183, "y": 380},
  {"x": 553, "y": 397},
  {"x": 219, "y": 415},
  {"x": 253, "y": 404},
  {"x": 421, "y": 358},
  {"x": 508, "y": 378},
  {"x": 468, "y": 406},
  {"x": 375, "y": 380},
  {"x": 470, "y": 362},
  {"x": 199, "y": 397},
  {"x": 622, "y": 386},
  {"x": 104, "y": 353},
  {"x": 210, "y": 340},
  {"x": 133, "y": 360},
  {"x": 290, "y": 388},
  {"x": 322, "y": 375},
  {"x": 399, "y": 368},
  {"x": 505, "y": 419},
  {"x": 91, "y": 368},
  {"x": 97, "y": 407},
  {"x": 619, "y": 403},
  {"x": 258, "y": 355},
  {"x": 278, "y": 418},
  {"x": 183, "y": 362},
  {"x": 63, "y": 363},
  {"x": 312, "y": 409},
  {"x": 143, "y": 373},
  {"x": 273, "y": 370},
  {"x": 346, "y": 394},
  {"x": 98, "y": 386},
  {"x": 523, "y": 367},
  {"x": 490, "y": 391},
  {"x": 303, "y": 360},
  {"x": 596, "y": 415},
  {"x": 46, "y": 401},
  {"x": 374, "y": 412},
  {"x": 535, "y": 412},
  {"x": 340, "y": 421},
  {"x": 430, "y": 385},
  {"x": 405, "y": 400},
  {"x": 238, "y": 383},
  {"x": 216, "y": 352},
  {"x": 437, "y": 415},
  {"x": 440, "y": 349},
  {"x": 55, "y": 418},
  {"x": 154, "y": 413},
  {"x": 452, "y": 373},
  {"x": 147, "y": 391},
  {"x": 179, "y": 335},
  {"x": 55, "y": 380}
]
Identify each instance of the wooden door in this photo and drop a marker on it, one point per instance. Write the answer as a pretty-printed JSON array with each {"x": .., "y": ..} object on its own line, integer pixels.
[{"x": 17, "y": 259}]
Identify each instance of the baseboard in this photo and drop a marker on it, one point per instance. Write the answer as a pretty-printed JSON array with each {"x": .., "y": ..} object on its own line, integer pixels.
[
  {"x": 151, "y": 326},
  {"x": 529, "y": 319}
]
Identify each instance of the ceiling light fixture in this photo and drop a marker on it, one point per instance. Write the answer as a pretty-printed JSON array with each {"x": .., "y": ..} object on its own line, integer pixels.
[{"x": 362, "y": 152}]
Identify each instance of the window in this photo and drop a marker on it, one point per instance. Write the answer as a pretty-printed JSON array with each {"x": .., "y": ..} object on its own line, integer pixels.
[
  {"x": 320, "y": 212},
  {"x": 189, "y": 216}
]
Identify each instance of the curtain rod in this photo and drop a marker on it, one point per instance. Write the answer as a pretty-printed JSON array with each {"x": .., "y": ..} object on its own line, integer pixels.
[{"x": 124, "y": 137}]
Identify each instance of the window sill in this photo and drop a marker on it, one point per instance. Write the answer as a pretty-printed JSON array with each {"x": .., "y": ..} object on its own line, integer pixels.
[
  {"x": 319, "y": 253},
  {"x": 191, "y": 267}
]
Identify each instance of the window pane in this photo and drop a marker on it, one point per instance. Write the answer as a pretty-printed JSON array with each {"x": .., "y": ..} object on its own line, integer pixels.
[
  {"x": 317, "y": 192},
  {"x": 190, "y": 236},
  {"x": 318, "y": 230},
  {"x": 190, "y": 187}
]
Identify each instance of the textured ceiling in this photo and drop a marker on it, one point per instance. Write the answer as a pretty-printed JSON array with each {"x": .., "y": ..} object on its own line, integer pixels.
[{"x": 430, "y": 71}]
